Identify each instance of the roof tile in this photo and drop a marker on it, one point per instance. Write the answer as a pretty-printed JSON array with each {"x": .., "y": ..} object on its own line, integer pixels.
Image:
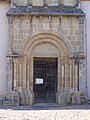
[{"x": 49, "y": 10}]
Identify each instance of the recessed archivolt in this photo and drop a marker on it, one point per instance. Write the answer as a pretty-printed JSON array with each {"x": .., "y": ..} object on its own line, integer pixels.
[
  {"x": 27, "y": 50},
  {"x": 45, "y": 49},
  {"x": 59, "y": 41},
  {"x": 46, "y": 43}
]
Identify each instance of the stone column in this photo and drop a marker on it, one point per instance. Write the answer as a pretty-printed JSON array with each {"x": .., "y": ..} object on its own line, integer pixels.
[
  {"x": 70, "y": 64},
  {"x": 15, "y": 78},
  {"x": 20, "y": 82},
  {"x": 20, "y": 73},
  {"x": 76, "y": 76},
  {"x": 73, "y": 74},
  {"x": 24, "y": 73},
  {"x": 67, "y": 82},
  {"x": 63, "y": 75},
  {"x": 28, "y": 73},
  {"x": 28, "y": 83},
  {"x": 62, "y": 95},
  {"x": 17, "y": 74},
  {"x": 23, "y": 93},
  {"x": 59, "y": 75},
  {"x": 31, "y": 74}
]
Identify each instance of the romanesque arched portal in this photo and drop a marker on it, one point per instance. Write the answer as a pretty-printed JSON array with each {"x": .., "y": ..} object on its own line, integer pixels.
[{"x": 44, "y": 46}]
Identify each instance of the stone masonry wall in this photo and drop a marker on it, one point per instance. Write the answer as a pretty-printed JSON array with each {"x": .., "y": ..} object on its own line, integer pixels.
[
  {"x": 49, "y": 2},
  {"x": 70, "y": 27}
]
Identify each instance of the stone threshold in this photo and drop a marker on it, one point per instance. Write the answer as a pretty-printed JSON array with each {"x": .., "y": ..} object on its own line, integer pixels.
[{"x": 44, "y": 104}]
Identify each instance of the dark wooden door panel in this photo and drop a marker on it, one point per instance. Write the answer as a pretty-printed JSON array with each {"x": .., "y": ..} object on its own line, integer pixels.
[
  {"x": 51, "y": 80},
  {"x": 46, "y": 69},
  {"x": 39, "y": 73}
]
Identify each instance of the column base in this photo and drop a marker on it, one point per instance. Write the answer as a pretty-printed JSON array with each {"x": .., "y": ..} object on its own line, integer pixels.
[
  {"x": 62, "y": 97},
  {"x": 71, "y": 97},
  {"x": 26, "y": 97},
  {"x": 11, "y": 99}
]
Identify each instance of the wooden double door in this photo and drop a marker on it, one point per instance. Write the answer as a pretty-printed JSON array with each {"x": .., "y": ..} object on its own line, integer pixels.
[{"x": 45, "y": 80}]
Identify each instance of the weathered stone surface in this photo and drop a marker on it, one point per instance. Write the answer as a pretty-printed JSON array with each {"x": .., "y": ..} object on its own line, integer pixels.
[
  {"x": 69, "y": 97},
  {"x": 76, "y": 97},
  {"x": 26, "y": 97},
  {"x": 41, "y": 2},
  {"x": 52, "y": 36},
  {"x": 83, "y": 98},
  {"x": 12, "y": 98},
  {"x": 21, "y": 98},
  {"x": 62, "y": 97},
  {"x": 70, "y": 2}
]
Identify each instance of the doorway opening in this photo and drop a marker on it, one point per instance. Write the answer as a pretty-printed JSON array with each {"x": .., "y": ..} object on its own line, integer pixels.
[{"x": 45, "y": 79}]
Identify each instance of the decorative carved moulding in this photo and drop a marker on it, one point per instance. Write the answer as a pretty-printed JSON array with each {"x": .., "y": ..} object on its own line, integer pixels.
[
  {"x": 77, "y": 55},
  {"x": 14, "y": 55}
]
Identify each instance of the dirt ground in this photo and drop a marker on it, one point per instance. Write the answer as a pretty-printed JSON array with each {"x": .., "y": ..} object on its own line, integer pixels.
[{"x": 40, "y": 112}]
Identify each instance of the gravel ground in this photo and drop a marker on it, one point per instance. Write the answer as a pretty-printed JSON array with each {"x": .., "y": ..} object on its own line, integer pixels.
[{"x": 40, "y": 112}]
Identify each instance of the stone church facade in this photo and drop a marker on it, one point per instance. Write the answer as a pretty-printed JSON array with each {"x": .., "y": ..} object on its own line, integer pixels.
[{"x": 46, "y": 53}]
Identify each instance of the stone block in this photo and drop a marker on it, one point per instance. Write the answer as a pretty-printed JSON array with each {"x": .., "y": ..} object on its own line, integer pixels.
[
  {"x": 66, "y": 32},
  {"x": 62, "y": 97},
  {"x": 76, "y": 97},
  {"x": 37, "y": 2},
  {"x": 46, "y": 25},
  {"x": 83, "y": 98},
  {"x": 69, "y": 97},
  {"x": 69, "y": 2},
  {"x": 21, "y": 98},
  {"x": 26, "y": 97},
  {"x": 21, "y": 2},
  {"x": 11, "y": 99}
]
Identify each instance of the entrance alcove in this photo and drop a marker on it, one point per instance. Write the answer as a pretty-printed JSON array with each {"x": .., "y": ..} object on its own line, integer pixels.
[
  {"x": 45, "y": 72},
  {"x": 45, "y": 54}
]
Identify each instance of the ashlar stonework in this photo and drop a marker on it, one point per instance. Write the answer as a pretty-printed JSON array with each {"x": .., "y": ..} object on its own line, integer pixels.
[{"x": 47, "y": 36}]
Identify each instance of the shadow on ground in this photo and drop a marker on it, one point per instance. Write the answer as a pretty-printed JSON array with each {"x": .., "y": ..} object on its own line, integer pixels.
[{"x": 47, "y": 107}]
